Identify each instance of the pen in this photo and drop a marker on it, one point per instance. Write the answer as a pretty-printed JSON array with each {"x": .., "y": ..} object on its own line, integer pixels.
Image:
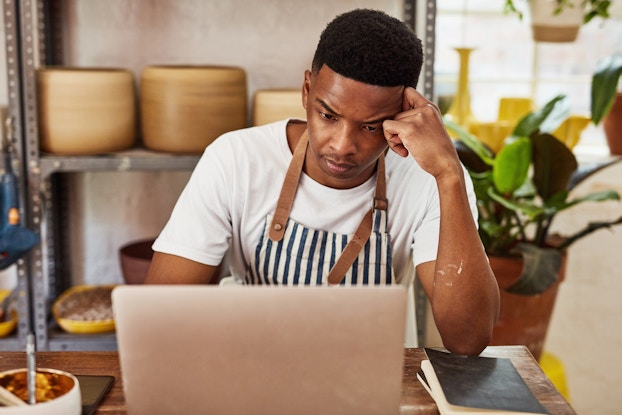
[{"x": 32, "y": 368}]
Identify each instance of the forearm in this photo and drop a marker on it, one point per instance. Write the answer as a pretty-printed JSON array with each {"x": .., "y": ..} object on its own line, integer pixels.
[
  {"x": 465, "y": 295},
  {"x": 172, "y": 269}
]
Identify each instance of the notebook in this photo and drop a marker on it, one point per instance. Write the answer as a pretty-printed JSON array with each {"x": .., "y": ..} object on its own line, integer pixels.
[{"x": 260, "y": 350}]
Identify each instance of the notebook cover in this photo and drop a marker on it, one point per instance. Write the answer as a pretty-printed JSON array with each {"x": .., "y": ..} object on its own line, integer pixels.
[{"x": 483, "y": 382}]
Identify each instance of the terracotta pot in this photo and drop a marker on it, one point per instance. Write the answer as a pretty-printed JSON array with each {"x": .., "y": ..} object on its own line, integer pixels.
[
  {"x": 612, "y": 125},
  {"x": 523, "y": 319},
  {"x": 135, "y": 258}
]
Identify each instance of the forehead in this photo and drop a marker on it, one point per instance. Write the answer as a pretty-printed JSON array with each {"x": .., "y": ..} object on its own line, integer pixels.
[{"x": 350, "y": 98}]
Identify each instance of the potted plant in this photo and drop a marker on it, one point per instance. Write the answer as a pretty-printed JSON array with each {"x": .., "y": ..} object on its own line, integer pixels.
[
  {"x": 519, "y": 191},
  {"x": 559, "y": 20},
  {"x": 606, "y": 99}
]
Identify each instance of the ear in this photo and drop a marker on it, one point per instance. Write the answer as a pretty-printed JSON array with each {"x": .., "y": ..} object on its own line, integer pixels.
[{"x": 306, "y": 85}]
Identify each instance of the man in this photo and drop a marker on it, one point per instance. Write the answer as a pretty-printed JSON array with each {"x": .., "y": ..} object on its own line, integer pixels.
[{"x": 285, "y": 199}]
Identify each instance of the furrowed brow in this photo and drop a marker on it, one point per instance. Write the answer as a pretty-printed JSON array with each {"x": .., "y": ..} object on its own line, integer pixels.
[
  {"x": 332, "y": 111},
  {"x": 327, "y": 107}
]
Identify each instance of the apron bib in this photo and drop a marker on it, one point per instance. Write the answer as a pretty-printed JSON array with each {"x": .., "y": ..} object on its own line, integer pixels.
[{"x": 289, "y": 253}]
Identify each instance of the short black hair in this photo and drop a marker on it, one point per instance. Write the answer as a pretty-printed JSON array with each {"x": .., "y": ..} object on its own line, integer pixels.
[{"x": 372, "y": 47}]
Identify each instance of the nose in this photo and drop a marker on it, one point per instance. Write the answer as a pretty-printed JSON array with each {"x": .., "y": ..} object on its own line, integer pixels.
[{"x": 343, "y": 141}]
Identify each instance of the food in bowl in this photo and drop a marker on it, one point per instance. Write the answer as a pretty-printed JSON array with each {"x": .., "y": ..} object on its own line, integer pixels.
[
  {"x": 49, "y": 385},
  {"x": 8, "y": 316},
  {"x": 57, "y": 392},
  {"x": 85, "y": 309}
]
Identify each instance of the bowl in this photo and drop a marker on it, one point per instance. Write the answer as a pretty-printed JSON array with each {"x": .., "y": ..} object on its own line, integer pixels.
[
  {"x": 185, "y": 108},
  {"x": 57, "y": 392},
  {"x": 135, "y": 258},
  {"x": 270, "y": 105},
  {"x": 85, "y": 309},
  {"x": 7, "y": 325},
  {"x": 85, "y": 111}
]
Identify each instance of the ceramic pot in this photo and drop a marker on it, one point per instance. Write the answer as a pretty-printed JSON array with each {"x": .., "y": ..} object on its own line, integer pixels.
[
  {"x": 512, "y": 109},
  {"x": 569, "y": 132},
  {"x": 185, "y": 108},
  {"x": 135, "y": 258},
  {"x": 523, "y": 319},
  {"x": 546, "y": 26},
  {"x": 271, "y": 105},
  {"x": 86, "y": 111},
  {"x": 612, "y": 125}
]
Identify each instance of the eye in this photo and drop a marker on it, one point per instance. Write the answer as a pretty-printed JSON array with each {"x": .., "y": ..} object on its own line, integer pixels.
[
  {"x": 327, "y": 116},
  {"x": 372, "y": 128}
]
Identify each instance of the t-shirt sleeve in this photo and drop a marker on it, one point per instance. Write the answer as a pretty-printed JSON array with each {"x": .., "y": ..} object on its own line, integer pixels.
[{"x": 199, "y": 227}]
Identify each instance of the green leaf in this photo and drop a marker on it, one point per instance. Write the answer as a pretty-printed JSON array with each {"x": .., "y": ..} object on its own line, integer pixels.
[
  {"x": 553, "y": 165},
  {"x": 529, "y": 209},
  {"x": 547, "y": 119},
  {"x": 596, "y": 197},
  {"x": 540, "y": 270},
  {"x": 483, "y": 152},
  {"x": 604, "y": 85},
  {"x": 511, "y": 166}
]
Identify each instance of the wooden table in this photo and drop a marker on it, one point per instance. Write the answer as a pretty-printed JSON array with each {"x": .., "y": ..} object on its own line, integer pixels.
[{"x": 415, "y": 400}]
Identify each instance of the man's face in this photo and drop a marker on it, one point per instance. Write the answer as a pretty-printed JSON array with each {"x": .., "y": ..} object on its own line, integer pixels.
[{"x": 344, "y": 122}]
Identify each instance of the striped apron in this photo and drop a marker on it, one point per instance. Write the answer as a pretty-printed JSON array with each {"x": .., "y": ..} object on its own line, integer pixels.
[{"x": 289, "y": 253}]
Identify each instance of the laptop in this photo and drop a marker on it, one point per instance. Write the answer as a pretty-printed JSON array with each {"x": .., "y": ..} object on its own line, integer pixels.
[{"x": 260, "y": 350}]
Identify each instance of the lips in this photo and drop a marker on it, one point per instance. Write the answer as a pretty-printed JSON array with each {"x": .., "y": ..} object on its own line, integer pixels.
[{"x": 337, "y": 167}]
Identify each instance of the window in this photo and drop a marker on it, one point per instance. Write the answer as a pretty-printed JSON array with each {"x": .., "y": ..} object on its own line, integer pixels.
[{"x": 507, "y": 62}]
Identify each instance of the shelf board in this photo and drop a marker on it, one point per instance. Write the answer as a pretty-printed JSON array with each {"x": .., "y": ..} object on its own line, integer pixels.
[
  {"x": 59, "y": 340},
  {"x": 136, "y": 159},
  {"x": 10, "y": 344}
]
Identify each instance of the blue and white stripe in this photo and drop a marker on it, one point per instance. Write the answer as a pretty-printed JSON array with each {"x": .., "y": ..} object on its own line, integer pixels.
[{"x": 305, "y": 256}]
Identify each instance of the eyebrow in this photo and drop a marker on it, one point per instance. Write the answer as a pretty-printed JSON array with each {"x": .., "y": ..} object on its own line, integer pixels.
[{"x": 332, "y": 111}]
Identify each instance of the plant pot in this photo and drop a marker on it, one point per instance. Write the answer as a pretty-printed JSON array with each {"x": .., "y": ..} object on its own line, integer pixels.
[
  {"x": 546, "y": 26},
  {"x": 523, "y": 319},
  {"x": 612, "y": 125},
  {"x": 185, "y": 108},
  {"x": 86, "y": 111}
]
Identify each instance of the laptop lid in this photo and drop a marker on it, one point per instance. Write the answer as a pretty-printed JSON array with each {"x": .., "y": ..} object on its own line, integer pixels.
[{"x": 260, "y": 350}]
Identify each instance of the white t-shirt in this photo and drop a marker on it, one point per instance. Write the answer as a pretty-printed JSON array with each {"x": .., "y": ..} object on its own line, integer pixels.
[{"x": 238, "y": 180}]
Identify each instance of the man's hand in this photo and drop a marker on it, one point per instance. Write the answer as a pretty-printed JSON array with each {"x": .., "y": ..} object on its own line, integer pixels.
[{"x": 419, "y": 131}]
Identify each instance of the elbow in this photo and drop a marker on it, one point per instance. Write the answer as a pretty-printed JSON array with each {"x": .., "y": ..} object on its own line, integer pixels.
[
  {"x": 469, "y": 346},
  {"x": 470, "y": 338}
]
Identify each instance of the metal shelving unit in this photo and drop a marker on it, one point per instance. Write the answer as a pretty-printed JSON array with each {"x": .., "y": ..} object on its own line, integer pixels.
[
  {"x": 34, "y": 39},
  {"x": 17, "y": 340}
]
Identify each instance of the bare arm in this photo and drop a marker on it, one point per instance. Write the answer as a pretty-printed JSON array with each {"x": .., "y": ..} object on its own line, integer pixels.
[
  {"x": 172, "y": 269},
  {"x": 461, "y": 287}
]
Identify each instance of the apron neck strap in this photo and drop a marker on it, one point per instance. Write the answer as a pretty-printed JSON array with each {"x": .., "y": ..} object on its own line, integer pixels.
[
  {"x": 286, "y": 200},
  {"x": 288, "y": 190}
]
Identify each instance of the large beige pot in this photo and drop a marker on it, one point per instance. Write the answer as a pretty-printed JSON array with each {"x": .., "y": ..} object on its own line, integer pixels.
[
  {"x": 86, "y": 110},
  {"x": 270, "y": 105},
  {"x": 185, "y": 108}
]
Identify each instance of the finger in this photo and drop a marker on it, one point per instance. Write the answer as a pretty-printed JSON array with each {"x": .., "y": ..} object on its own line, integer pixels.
[
  {"x": 391, "y": 134},
  {"x": 412, "y": 99}
]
